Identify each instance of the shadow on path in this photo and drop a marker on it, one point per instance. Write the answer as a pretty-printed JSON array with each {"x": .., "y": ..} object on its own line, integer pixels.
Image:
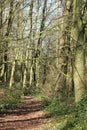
[{"x": 28, "y": 116}]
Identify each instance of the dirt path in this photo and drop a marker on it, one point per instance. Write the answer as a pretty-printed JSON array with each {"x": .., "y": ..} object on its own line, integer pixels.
[{"x": 27, "y": 117}]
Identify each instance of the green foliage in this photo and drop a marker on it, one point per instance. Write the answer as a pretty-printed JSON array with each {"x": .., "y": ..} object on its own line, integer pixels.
[
  {"x": 74, "y": 115},
  {"x": 55, "y": 107},
  {"x": 10, "y": 99},
  {"x": 78, "y": 120}
]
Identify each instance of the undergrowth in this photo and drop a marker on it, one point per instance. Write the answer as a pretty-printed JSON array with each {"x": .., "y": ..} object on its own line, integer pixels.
[
  {"x": 10, "y": 98},
  {"x": 74, "y": 115}
]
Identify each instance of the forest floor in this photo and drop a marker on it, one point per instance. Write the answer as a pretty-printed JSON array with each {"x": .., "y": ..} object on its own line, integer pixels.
[{"x": 28, "y": 116}]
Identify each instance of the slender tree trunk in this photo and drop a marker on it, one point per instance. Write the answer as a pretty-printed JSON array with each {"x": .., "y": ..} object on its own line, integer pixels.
[
  {"x": 38, "y": 51},
  {"x": 10, "y": 20},
  {"x": 12, "y": 71},
  {"x": 25, "y": 69},
  {"x": 31, "y": 75},
  {"x": 57, "y": 38},
  {"x": 30, "y": 40},
  {"x": 1, "y": 46}
]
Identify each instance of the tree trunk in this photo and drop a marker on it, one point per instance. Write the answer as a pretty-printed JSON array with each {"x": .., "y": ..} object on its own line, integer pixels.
[
  {"x": 79, "y": 64},
  {"x": 38, "y": 47},
  {"x": 25, "y": 69},
  {"x": 10, "y": 20},
  {"x": 79, "y": 74},
  {"x": 64, "y": 45},
  {"x": 12, "y": 72}
]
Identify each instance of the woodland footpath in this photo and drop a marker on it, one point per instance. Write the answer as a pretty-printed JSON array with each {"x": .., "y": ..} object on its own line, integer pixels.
[{"x": 43, "y": 64}]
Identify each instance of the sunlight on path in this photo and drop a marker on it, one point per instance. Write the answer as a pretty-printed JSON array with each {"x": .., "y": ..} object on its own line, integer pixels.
[{"x": 28, "y": 117}]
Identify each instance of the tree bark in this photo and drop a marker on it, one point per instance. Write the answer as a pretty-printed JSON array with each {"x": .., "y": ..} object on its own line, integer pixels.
[
  {"x": 64, "y": 44},
  {"x": 10, "y": 20},
  {"x": 12, "y": 71},
  {"x": 79, "y": 64}
]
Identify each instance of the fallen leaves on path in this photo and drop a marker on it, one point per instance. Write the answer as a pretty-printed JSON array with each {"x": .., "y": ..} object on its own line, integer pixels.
[{"x": 28, "y": 116}]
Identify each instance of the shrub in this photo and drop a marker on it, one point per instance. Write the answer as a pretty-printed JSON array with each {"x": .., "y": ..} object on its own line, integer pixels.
[
  {"x": 78, "y": 120},
  {"x": 10, "y": 99},
  {"x": 74, "y": 114}
]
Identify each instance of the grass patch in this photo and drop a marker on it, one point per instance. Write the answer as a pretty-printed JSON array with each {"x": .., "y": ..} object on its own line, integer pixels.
[
  {"x": 10, "y": 98},
  {"x": 78, "y": 120},
  {"x": 69, "y": 116}
]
